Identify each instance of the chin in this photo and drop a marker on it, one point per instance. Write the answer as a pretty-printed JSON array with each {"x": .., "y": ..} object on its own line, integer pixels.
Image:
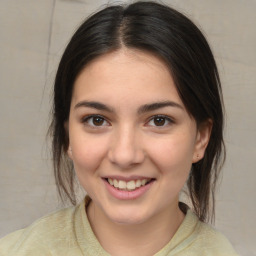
[
  {"x": 128, "y": 217},
  {"x": 128, "y": 221}
]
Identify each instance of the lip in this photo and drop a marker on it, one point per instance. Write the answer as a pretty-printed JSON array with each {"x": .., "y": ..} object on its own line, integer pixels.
[
  {"x": 127, "y": 195},
  {"x": 116, "y": 177}
]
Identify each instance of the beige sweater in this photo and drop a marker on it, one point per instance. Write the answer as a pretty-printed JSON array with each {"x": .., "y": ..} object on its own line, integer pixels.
[{"x": 68, "y": 232}]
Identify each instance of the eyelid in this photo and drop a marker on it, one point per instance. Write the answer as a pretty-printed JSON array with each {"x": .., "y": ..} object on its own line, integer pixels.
[
  {"x": 167, "y": 118},
  {"x": 85, "y": 119},
  {"x": 88, "y": 117}
]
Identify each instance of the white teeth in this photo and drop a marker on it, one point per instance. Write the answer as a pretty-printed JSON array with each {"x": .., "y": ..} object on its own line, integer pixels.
[
  {"x": 130, "y": 185},
  {"x": 116, "y": 183},
  {"x": 122, "y": 184},
  {"x": 138, "y": 183}
]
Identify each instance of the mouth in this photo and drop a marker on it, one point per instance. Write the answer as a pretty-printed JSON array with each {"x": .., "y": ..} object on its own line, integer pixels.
[{"x": 130, "y": 185}]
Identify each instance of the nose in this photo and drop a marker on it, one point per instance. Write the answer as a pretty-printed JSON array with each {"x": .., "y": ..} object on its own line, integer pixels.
[{"x": 126, "y": 148}]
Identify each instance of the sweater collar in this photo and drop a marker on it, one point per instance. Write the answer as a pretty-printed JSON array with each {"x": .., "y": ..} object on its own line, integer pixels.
[{"x": 90, "y": 245}]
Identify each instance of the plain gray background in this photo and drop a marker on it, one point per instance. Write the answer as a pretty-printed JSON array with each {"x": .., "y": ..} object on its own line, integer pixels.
[{"x": 33, "y": 35}]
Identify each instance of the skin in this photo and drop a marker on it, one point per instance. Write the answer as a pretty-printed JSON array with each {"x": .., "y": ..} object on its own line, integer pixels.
[{"x": 127, "y": 142}]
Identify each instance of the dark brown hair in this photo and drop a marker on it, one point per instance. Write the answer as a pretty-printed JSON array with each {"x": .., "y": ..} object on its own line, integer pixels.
[{"x": 161, "y": 30}]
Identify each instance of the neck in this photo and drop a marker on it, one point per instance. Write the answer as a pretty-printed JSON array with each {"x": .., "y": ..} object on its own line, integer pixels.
[{"x": 146, "y": 238}]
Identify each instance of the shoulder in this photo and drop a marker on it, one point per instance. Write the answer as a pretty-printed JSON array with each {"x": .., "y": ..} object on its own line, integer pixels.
[
  {"x": 195, "y": 238},
  {"x": 212, "y": 238},
  {"x": 211, "y": 241},
  {"x": 38, "y": 238}
]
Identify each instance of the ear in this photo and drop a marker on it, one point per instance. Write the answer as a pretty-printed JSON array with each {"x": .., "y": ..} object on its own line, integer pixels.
[
  {"x": 70, "y": 153},
  {"x": 69, "y": 150},
  {"x": 202, "y": 140}
]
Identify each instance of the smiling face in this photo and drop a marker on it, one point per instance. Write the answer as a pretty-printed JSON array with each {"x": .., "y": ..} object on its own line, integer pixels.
[{"x": 131, "y": 139}]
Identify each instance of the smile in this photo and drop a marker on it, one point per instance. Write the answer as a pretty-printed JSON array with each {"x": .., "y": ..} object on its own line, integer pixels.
[
  {"x": 128, "y": 186},
  {"x": 124, "y": 188}
]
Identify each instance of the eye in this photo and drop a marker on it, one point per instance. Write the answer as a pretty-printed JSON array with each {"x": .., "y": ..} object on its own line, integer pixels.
[
  {"x": 95, "y": 121},
  {"x": 160, "y": 121}
]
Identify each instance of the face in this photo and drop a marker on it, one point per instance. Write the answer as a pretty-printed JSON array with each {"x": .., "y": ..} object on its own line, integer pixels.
[{"x": 132, "y": 141}]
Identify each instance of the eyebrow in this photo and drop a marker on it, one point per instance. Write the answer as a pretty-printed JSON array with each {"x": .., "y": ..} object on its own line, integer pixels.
[
  {"x": 157, "y": 105},
  {"x": 142, "y": 109},
  {"x": 95, "y": 105}
]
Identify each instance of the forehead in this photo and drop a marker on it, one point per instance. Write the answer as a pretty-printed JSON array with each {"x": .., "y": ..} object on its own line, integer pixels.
[{"x": 126, "y": 74}]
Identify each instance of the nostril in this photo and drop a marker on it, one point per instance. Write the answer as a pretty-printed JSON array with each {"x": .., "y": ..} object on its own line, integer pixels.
[
  {"x": 123, "y": 158},
  {"x": 126, "y": 157}
]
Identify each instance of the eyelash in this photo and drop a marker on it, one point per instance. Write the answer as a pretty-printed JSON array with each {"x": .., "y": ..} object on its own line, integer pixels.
[
  {"x": 89, "y": 118},
  {"x": 166, "y": 119}
]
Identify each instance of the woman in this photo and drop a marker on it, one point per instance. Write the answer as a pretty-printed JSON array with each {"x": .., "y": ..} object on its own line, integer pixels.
[{"x": 137, "y": 115}]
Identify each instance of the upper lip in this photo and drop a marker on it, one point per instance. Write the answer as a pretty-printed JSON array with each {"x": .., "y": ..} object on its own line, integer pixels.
[{"x": 129, "y": 178}]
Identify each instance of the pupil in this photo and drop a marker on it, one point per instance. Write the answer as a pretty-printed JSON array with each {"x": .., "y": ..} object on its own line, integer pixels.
[
  {"x": 159, "y": 121},
  {"x": 98, "y": 121}
]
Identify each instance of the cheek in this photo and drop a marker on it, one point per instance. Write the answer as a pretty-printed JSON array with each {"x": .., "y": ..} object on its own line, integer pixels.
[
  {"x": 88, "y": 153},
  {"x": 173, "y": 155},
  {"x": 173, "y": 161}
]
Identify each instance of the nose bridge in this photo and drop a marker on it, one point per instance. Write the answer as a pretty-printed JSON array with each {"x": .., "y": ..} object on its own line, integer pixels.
[{"x": 126, "y": 149}]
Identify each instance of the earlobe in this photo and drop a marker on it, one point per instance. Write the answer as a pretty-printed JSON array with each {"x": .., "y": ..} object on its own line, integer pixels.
[
  {"x": 202, "y": 140},
  {"x": 70, "y": 153}
]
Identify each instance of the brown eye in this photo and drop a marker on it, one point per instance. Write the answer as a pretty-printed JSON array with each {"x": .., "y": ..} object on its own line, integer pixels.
[
  {"x": 159, "y": 121},
  {"x": 97, "y": 121}
]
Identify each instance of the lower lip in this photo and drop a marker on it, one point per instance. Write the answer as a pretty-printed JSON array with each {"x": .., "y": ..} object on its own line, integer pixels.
[{"x": 127, "y": 195}]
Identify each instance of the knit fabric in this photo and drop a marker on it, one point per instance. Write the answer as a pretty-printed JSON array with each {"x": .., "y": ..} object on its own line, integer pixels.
[{"x": 68, "y": 232}]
